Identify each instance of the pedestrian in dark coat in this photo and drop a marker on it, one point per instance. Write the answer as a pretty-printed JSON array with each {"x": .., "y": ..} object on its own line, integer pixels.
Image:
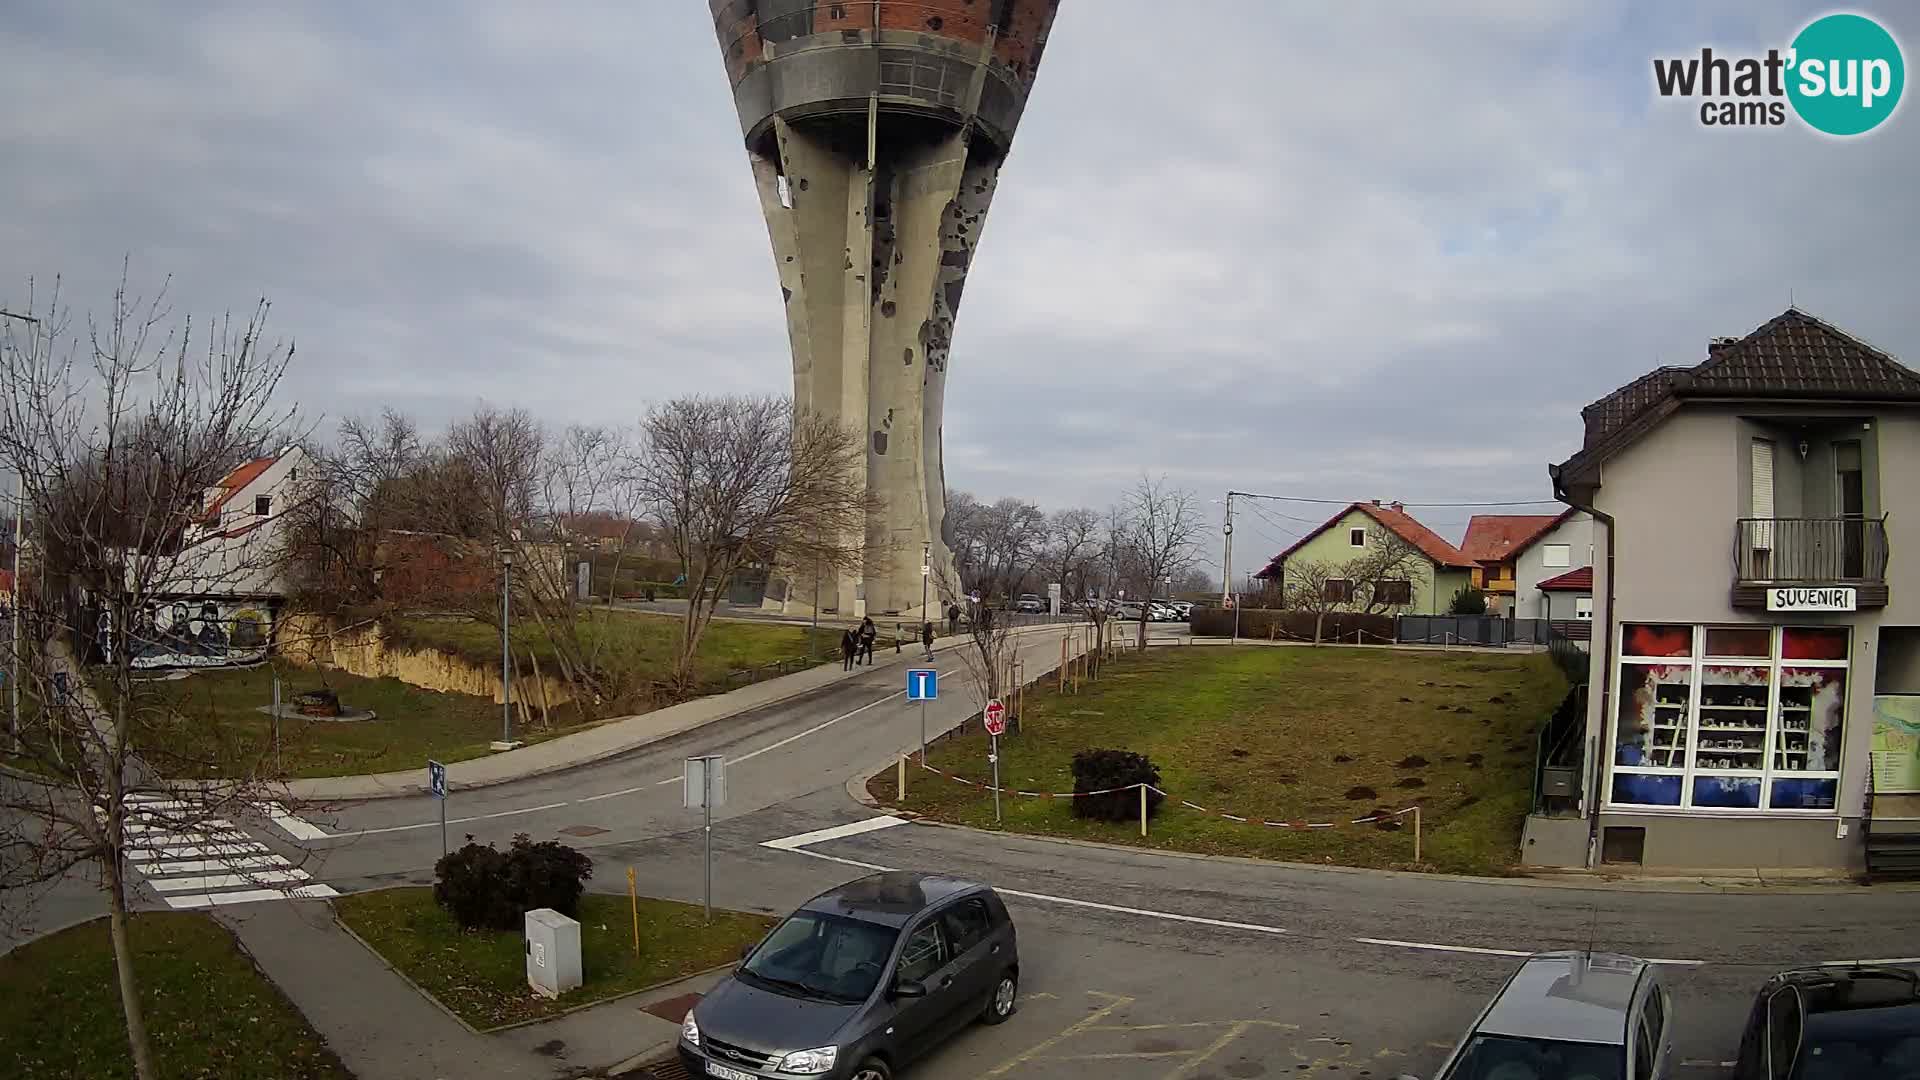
[
  {"x": 926, "y": 637},
  {"x": 849, "y": 647},
  {"x": 868, "y": 632},
  {"x": 953, "y": 618}
]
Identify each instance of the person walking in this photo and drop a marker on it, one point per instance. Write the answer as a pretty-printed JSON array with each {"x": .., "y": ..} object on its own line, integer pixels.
[
  {"x": 926, "y": 638},
  {"x": 849, "y": 646},
  {"x": 953, "y": 618},
  {"x": 868, "y": 632}
]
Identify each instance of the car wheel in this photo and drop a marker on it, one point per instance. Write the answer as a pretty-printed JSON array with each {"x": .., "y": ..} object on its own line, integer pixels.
[
  {"x": 1000, "y": 1005},
  {"x": 872, "y": 1069}
]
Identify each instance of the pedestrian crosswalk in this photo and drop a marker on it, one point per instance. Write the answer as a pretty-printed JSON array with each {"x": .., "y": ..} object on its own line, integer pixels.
[{"x": 193, "y": 861}]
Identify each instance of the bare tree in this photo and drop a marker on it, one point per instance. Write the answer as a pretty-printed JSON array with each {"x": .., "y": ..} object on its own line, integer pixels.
[
  {"x": 995, "y": 546},
  {"x": 118, "y": 429},
  {"x": 1377, "y": 579},
  {"x": 1074, "y": 544},
  {"x": 988, "y": 647},
  {"x": 1162, "y": 525},
  {"x": 735, "y": 480},
  {"x": 362, "y": 491}
]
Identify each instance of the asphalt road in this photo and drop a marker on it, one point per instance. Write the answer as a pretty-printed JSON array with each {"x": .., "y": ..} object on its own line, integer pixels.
[{"x": 1136, "y": 964}]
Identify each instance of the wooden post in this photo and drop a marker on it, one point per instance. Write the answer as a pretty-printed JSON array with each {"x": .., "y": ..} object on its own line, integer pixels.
[
  {"x": 1143, "y": 811},
  {"x": 1416, "y": 832},
  {"x": 633, "y": 899},
  {"x": 900, "y": 778},
  {"x": 1063, "y": 665}
]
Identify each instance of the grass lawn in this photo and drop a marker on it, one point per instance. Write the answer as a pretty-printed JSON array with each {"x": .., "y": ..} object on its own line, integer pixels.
[
  {"x": 212, "y": 717},
  {"x": 483, "y": 976},
  {"x": 209, "y": 1011},
  {"x": 630, "y": 641},
  {"x": 1281, "y": 734}
]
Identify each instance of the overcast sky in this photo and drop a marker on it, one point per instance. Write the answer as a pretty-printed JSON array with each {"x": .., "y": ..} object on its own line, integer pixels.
[{"x": 1348, "y": 251}]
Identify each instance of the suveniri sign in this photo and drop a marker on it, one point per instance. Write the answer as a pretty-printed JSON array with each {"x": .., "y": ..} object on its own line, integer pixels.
[{"x": 1833, "y": 598}]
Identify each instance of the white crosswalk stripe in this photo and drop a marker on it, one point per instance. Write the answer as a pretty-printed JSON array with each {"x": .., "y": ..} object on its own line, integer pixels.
[{"x": 199, "y": 862}]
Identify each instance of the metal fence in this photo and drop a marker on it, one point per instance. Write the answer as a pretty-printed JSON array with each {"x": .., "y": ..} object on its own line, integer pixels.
[{"x": 1491, "y": 630}]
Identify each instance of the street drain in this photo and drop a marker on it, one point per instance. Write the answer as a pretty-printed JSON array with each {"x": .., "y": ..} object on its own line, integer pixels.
[{"x": 582, "y": 830}]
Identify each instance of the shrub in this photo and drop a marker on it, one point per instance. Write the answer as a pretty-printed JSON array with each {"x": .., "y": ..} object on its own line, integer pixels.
[
  {"x": 472, "y": 886},
  {"x": 485, "y": 888},
  {"x": 548, "y": 874},
  {"x": 1468, "y": 601},
  {"x": 1103, "y": 770}
]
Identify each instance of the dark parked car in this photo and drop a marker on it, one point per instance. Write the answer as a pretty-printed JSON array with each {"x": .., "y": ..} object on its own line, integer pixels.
[
  {"x": 1834, "y": 1023},
  {"x": 858, "y": 982}
]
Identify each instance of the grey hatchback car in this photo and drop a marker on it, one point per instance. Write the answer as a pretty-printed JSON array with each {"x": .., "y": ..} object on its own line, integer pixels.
[
  {"x": 858, "y": 982},
  {"x": 1571, "y": 1016}
]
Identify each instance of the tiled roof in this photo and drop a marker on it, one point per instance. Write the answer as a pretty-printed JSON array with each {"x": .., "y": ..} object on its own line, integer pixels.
[
  {"x": 1580, "y": 580},
  {"x": 1403, "y": 525},
  {"x": 233, "y": 483},
  {"x": 1493, "y": 537},
  {"x": 1791, "y": 357}
]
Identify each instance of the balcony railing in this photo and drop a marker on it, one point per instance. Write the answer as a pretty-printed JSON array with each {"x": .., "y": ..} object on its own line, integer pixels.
[{"x": 1810, "y": 550}]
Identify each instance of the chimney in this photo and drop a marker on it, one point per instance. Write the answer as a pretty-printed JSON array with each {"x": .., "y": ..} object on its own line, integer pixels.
[
  {"x": 1397, "y": 507},
  {"x": 1376, "y": 502},
  {"x": 1718, "y": 344}
]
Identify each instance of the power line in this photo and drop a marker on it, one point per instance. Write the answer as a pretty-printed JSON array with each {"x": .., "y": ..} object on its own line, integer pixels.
[{"x": 1421, "y": 505}]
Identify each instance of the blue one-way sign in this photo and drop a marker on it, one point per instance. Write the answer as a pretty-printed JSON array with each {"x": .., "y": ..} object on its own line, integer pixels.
[{"x": 923, "y": 684}]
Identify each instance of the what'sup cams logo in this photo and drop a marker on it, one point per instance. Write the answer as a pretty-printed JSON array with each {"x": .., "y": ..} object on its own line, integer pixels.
[{"x": 1842, "y": 75}]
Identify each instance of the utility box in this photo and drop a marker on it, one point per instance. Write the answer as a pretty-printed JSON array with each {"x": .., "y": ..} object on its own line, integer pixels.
[
  {"x": 1557, "y": 781},
  {"x": 553, "y": 952}
]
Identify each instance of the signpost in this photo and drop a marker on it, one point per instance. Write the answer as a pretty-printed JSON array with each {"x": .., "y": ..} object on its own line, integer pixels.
[
  {"x": 923, "y": 685},
  {"x": 995, "y": 717},
  {"x": 437, "y": 783},
  {"x": 705, "y": 787}
]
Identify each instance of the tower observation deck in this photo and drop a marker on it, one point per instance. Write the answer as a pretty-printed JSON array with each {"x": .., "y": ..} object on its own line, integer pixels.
[{"x": 876, "y": 129}]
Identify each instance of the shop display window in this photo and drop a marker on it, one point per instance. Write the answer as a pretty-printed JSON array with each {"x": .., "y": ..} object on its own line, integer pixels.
[{"x": 1730, "y": 718}]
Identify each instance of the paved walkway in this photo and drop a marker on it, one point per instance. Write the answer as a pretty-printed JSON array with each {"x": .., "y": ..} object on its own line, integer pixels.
[
  {"x": 605, "y": 740},
  {"x": 384, "y": 1029}
]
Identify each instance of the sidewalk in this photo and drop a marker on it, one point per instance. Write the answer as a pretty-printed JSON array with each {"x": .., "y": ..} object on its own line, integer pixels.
[
  {"x": 384, "y": 1029},
  {"x": 610, "y": 738}
]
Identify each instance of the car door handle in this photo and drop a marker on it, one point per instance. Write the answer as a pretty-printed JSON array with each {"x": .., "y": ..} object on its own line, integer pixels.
[
  {"x": 946, "y": 982},
  {"x": 994, "y": 951}
]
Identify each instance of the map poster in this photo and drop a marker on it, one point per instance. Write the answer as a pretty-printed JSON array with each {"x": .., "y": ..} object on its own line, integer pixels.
[{"x": 1896, "y": 743}]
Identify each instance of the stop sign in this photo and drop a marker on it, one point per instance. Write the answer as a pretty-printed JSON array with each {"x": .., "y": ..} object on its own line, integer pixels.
[{"x": 996, "y": 717}]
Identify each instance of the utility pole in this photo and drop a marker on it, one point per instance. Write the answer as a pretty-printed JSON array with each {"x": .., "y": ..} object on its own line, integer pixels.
[
  {"x": 1226, "y": 573},
  {"x": 506, "y": 654},
  {"x": 926, "y": 570}
]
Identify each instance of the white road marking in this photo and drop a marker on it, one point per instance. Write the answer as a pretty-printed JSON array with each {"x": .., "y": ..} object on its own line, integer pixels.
[
  {"x": 820, "y": 836},
  {"x": 451, "y": 821},
  {"x": 815, "y": 728},
  {"x": 250, "y": 896},
  {"x": 158, "y": 841},
  {"x": 208, "y": 851},
  {"x": 1431, "y": 947},
  {"x": 626, "y": 791},
  {"x": 214, "y": 823},
  {"x": 296, "y": 827},
  {"x": 227, "y": 881},
  {"x": 201, "y": 866},
  {"x": 1869, "y": 963}
]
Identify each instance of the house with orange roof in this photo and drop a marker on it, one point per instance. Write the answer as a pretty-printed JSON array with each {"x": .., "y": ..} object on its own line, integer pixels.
[
  {"x": 1423, "y": 583},
  {"x": 1493, "y": 542}
]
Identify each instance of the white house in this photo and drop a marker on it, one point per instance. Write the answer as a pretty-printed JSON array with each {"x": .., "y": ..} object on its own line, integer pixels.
[{"x": 215, "y": 602}]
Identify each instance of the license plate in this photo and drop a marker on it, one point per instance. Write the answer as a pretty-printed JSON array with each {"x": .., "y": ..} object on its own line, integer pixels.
[{"x": 725, "y": 1073}]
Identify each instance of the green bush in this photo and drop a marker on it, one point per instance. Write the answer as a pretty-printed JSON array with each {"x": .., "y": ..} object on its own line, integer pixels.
[
  {"x": 1468, "y": 601},
  {"x": 1105, "y": 770},
  {"x": 484, "y": 888}
]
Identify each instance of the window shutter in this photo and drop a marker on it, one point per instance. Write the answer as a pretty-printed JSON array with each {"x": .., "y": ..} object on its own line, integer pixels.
[{"x": 1763, "y": 493}]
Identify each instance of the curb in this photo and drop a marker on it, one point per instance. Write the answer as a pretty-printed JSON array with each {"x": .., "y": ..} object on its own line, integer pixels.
[{"x": 334, "y": 913}]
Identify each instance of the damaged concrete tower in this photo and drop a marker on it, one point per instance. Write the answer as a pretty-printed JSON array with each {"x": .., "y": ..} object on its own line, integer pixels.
[{"x": 876, "y": 129}]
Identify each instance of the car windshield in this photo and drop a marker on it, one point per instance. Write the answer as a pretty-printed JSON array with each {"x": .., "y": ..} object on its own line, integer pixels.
[
  {"x": 1505, "y": 1057},
  {"x": 823, "y": 956},
  {"x": 1883, "y": 1043}
]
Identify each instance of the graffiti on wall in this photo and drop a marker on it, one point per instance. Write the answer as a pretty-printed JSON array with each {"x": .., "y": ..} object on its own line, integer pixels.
[{"x": 197, "y": 633}]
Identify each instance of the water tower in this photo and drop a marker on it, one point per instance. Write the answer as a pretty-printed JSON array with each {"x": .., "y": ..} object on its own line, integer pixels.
[{"x": 876, "y": 129}]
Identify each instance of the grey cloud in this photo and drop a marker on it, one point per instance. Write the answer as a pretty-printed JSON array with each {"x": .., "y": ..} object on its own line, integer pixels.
[{"x": 1354, "y": 252}]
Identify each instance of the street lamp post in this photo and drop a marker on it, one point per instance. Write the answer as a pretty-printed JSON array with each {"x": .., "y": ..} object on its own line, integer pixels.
[
  {"x": 506, "y": 655},
  {"x": 926, "y": 571}
]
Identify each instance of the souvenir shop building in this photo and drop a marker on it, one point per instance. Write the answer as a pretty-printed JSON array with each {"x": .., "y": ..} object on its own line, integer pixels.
[{"x": 1755, "y": 679}]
